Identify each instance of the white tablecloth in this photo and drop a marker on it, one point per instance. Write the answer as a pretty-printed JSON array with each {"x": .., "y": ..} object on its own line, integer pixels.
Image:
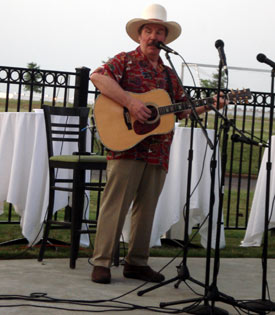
[
  {"x": 255, "y": 226},
  {"x": 169, "y": 210},
  {"x": 24, "y": 175}
]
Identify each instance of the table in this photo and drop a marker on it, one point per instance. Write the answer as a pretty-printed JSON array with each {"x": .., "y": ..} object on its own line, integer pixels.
[
  {"x": 24, "y": 179},
  {"x": 255, "y": 226},
  {"x": 24, "y": 172},
  {"x": 169, "y": 211}
]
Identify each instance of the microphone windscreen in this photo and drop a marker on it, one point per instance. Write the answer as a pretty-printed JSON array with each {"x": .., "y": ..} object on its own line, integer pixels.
[
  {"x": 159, "y": 44},
  {"x": 219, "y": 43},
  {"x": 261, "y": 57}
]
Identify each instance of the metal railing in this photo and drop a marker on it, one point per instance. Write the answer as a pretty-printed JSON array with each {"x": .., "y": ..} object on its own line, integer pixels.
[
  {"x": 24, "y": 89},
  {"x": 18, "y": 88}
]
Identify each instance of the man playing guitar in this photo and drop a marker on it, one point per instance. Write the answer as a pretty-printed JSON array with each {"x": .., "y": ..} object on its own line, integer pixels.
[{"x": 135, "y": 176}]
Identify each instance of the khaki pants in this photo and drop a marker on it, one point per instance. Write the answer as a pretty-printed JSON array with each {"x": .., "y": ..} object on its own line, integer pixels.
[{"x": 127, "y": 181}]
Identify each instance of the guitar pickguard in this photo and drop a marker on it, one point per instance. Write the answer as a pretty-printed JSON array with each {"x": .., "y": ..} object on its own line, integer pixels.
[{"x": 143, "y": 129}]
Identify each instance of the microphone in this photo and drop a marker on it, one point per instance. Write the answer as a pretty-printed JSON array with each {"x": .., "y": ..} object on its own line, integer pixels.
[
  {"x": 262, "y": 58},
  {"x": 238, "y": 138},
  {"x": 161, "y": 45},
  {"x": 219, "y": 44}
]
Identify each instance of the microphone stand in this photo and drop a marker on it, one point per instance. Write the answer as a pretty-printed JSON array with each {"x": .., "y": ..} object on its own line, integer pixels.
[
  {"x": 183, "y": 272},
  {"x": 264, "y": 305},
  {"x": 211, "y": 291}
]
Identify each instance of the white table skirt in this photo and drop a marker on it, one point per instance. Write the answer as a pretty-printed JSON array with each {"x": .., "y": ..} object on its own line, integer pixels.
[
  {"x": 169, "y": 210},
  {"x": 255, "y": 226},
  {"x": 24, "y": 172}
]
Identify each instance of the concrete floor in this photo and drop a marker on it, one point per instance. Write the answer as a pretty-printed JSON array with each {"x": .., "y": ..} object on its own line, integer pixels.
[{"x": 240, "y": 279}]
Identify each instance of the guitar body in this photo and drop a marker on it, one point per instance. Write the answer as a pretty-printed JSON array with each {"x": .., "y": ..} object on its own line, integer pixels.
[
  {"x": 118, "y": 135},
  {"x": 119, "y": 131}
]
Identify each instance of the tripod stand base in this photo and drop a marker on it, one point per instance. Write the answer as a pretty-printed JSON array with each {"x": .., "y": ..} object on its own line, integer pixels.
[
  {"x": 196, "y": 308},
  {"x": 23, "y": 241},
  {"x": 18, "y": 241},
  {"x": 259, "y": 306},
  {"x": 205, "y": 310}
]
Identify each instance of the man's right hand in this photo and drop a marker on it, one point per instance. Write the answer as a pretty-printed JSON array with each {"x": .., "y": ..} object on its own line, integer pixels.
[
  {"x": 138, "y": 110},
  {"x": 110, "y": 88}
]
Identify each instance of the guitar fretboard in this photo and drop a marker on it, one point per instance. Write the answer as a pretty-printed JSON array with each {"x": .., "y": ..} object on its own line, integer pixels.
[{"x": 179, "y": 107}]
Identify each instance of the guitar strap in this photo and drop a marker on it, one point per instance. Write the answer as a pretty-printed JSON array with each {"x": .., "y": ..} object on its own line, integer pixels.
[
  {"x": 126, "y": 114},
  {"x": 170, "y": 86}
]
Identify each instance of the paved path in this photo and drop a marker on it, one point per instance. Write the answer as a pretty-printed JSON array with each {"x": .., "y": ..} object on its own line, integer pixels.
[{"x": 238, "y": 278}]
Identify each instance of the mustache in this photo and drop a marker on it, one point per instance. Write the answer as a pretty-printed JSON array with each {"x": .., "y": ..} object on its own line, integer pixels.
[{"x": 153, "y": 43}]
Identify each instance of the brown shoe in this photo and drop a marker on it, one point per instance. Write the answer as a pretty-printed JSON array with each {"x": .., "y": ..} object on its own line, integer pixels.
[
  {"x": 101, "y": 275},
  {"x": 144, "y": 273}
]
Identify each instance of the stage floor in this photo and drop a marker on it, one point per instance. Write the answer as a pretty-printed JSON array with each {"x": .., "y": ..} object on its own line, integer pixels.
[{"x": 239, "y": 278}]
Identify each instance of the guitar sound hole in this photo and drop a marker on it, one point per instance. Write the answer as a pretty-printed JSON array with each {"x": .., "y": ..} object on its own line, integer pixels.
[{"x": 154, "y": 113}]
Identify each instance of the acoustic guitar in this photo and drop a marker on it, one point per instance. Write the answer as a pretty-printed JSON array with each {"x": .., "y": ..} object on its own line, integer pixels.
[{"x": 119, "y": 131}]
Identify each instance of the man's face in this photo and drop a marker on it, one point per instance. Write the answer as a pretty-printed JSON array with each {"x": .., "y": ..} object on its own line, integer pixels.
[{"x": 150, "y": 34}]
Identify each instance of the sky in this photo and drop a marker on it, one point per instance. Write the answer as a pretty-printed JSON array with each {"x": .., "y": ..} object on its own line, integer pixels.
[{"x": 66, "y": 34}]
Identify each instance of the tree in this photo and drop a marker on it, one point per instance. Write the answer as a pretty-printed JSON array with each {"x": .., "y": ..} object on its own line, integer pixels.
[
  {"x": 32, "y": 77},
  {"x": 214, "y": 82}
]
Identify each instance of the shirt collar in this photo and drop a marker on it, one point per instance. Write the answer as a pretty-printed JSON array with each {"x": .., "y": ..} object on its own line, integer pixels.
[{"x": 160, "y": 62}]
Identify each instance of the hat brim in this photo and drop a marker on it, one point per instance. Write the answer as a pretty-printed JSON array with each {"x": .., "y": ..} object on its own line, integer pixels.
[{"x": 132, "y": 27}]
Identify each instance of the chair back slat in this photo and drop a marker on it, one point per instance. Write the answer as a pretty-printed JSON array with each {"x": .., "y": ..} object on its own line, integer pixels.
[
  {"x": 59, "y": 125},
  {"x": 65, "y": 124}
]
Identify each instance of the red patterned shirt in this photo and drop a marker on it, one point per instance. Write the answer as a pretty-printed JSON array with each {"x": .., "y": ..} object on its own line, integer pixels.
[{"x": 134, "y": 73}]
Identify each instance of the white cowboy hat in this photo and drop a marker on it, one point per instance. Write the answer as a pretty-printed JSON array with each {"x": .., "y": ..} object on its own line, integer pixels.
[{"x": 154, "y": 13}]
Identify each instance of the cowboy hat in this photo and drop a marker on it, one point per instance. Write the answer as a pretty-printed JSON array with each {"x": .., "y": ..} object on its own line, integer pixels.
[{"x": 156, "y": 14}]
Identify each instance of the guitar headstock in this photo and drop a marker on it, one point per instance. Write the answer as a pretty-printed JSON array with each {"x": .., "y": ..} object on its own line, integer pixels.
[{"x": 239, "y": 96}]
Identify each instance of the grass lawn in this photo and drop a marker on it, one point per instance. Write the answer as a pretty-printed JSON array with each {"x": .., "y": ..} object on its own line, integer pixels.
[{"x": 232, "y": 249}]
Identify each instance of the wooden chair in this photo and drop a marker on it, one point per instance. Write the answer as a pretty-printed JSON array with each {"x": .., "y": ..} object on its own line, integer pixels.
[{"x": 67, "y": 127}]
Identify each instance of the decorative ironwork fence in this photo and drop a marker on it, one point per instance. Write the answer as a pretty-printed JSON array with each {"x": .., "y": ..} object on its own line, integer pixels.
[{"x": 23, "y": 89}]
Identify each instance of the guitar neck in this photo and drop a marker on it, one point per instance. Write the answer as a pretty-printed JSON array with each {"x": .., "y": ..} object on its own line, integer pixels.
[{"x": 179, "y": 107}]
